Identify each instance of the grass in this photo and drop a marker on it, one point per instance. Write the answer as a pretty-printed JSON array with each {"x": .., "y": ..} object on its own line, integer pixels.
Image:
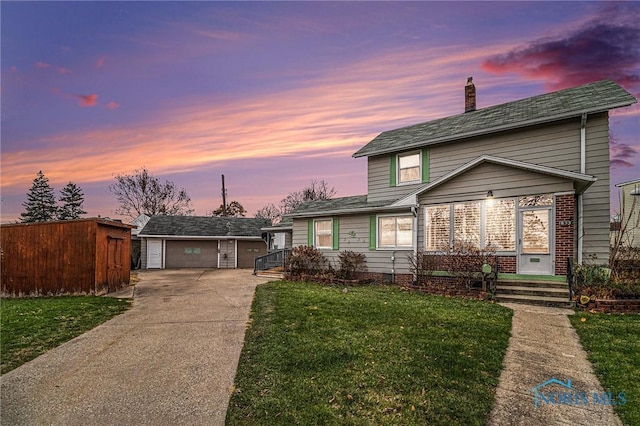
[
  {"x": 613, "y": 344},
  {"x": 32, "y": 326},
  {"x": 373, "y": 355}
]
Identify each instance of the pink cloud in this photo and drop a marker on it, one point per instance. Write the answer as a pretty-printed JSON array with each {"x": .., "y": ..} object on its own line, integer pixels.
[
  {"x": 100, "y": 62},
  {"x": 113, "y": 105},
  {"x": 605, "y": 47},
  {"x": 87, "y": 100},
  {"x": 14, "y": 69},
  {"x": 62, "y": 70},
  {"x": 42, "y": 65}
]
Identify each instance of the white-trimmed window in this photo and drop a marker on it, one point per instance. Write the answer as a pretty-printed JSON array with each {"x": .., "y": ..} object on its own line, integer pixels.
[
  {"x": 322, "y": 236},
  {"x": 395, "y": 231},
  {"x": 466, "y": 223},
  {"x": 438, "y": 226},
  {"x": 409, "y": 168},
  {"x": 487, "y": 224},
  {"x": 500, "y": 224}
]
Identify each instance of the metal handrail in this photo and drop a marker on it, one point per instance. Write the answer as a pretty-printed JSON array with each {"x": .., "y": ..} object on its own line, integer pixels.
[
  {"x": 270, "y": 260},
  {"x": 570, "y": 277}
]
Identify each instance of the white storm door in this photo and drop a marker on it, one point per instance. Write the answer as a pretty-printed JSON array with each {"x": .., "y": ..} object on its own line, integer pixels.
[
  {"x": 154, "y": 254},
  {"x": 534, "y": 242}
]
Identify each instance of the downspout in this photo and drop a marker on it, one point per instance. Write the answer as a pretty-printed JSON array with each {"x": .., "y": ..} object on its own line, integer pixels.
[
  {"x": 583, "y": 170},
  {"x": 414, "y": 212}
]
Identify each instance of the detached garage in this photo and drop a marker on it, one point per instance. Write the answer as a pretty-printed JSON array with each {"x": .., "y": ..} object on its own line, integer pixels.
[{"x": 201, "y": 242}]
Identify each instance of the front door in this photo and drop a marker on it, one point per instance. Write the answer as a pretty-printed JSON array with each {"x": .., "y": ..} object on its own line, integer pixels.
[
  {"x": 154, "y": 254},
  {"x": 534, "y": 242}
]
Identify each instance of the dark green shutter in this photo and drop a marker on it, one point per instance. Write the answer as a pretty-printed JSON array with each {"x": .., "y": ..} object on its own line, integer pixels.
[
  {"x": 335, "y": 234},
  {"x": 372, "y": 232},
  {"x": 392, "y": 170},
  {"x": 310, "y": 232},
  {"x": 425, "y": 165}
]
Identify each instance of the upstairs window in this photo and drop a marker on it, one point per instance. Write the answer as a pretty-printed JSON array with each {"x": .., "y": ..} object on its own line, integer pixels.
[{"x": 409, "y": 168}]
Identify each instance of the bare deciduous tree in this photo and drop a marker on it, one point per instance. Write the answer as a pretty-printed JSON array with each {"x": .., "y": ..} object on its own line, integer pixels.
[
  {"x": 317, "y": 190},
  {"x": 141, "y": 192}
]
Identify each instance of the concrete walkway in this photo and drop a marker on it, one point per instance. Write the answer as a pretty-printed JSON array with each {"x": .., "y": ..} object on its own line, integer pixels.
[
  {"x": 170, "y": 360},
  {"x": 543, "y": 346}
]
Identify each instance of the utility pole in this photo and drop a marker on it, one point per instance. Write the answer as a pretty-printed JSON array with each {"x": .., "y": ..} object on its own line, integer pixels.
[{"x": 224, "y": 199}]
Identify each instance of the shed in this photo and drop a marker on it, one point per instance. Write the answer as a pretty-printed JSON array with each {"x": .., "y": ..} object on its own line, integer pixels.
[
  {"x": 73, "y": 256},
  {"x": 202, "y": 242}
]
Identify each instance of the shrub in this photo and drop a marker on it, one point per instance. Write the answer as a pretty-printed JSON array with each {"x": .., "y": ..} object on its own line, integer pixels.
[
  {"x": 464, "y": 262},
  {"x": 306, "y": 260},
  {"x": 351, "y": 263}
]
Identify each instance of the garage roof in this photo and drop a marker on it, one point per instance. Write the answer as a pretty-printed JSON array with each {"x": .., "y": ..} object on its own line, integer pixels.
[{"x": 203, "y": 226}]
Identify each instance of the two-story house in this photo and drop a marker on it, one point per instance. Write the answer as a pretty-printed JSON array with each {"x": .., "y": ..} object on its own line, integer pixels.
[{"x": 528, "y": 179}]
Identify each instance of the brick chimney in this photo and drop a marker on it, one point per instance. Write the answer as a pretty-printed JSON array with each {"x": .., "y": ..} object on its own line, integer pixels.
[{"x": 469, "y": 96}]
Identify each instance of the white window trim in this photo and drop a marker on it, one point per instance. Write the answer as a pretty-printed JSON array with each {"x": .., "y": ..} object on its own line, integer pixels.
[
  {"x": 411, "y": 182},
  {"x": 315, "y": 234},
  {"x": 482, "y": 224},
  {"x": 379, "y": 247}
]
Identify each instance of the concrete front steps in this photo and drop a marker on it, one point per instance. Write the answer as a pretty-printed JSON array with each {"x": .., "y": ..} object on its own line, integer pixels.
[
  {"x": 270, "y": 273},
  {"x": 546, "y": 293}
]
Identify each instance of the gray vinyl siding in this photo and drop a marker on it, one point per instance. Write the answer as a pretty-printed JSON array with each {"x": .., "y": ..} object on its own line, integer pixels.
[
  {"x": 501, "y": 180},
  {"x": 555, "y": 145},
  {"x": 378, "y": 181},
  {"x": 596, "y": 200},
  {"x": 354, "y": 236}
]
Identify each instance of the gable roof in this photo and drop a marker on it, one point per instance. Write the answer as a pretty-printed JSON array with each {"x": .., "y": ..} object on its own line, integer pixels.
[
  {"x": 590, "y": 98},
  {"x": 583, "y": 181},
  {"x": 203, "y": 226},
  {"x": 343, "y": 205}
]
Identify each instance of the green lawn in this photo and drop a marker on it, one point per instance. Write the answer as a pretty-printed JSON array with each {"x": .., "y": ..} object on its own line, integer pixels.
[
  {"x": 373, "y": 355},
  {"x": 32, "y": 326},
  {"x": 613, "y": 344}
]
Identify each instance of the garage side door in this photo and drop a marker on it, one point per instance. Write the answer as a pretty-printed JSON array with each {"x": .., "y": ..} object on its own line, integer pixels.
[
  {"x": 248, "y": 251},
  {"x": 191, "y": 254}
]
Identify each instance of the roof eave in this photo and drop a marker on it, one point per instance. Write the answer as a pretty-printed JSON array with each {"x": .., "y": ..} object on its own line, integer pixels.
[
  {"x": 339, "y": 212},
  {"x": 201, "y": 237}
]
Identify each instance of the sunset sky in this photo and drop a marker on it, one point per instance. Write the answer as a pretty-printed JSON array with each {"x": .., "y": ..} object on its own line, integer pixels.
[{"x": 273, "y": 95}]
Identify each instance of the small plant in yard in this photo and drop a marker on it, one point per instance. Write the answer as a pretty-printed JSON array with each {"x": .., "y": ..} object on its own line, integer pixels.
[
  {"x": 373, "y": 355},
  {"x": 612, "y": 342},
  {"x": 32, "y": 326},
  {"x": 351, "y": 264}
]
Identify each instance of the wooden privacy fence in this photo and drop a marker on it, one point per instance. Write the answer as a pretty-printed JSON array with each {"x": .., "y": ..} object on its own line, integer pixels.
[{"x": 89, "y": 256}]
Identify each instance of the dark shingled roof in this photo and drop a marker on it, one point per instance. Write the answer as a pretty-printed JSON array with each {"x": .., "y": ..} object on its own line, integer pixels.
[
  {"x": 204, "y": 226},
  {"x": 343, "y": 204},
  {"x": 589, "y": 98}
]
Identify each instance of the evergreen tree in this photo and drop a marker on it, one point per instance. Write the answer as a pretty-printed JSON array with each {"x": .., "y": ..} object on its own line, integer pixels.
[
  {"x": 72, "y": 198},
  {"x": 41, "y": 201}
]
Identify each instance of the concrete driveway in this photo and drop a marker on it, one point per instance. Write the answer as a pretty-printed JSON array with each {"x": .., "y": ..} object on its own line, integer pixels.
[{"x": 170, "y": 359}]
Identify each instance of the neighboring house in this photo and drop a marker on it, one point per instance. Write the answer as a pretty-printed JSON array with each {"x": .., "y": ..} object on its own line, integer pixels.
[
  {"x": 201, "y": 242},
  {"x": 70, "y": 256},
  {"x": 529, "y": 179},
  {"x": 279, "y": 235},
  {"x": 629, "y": 218}
]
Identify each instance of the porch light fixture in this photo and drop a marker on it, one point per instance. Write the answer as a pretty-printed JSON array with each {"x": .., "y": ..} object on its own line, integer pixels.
[{"x": 489, "y": 194}]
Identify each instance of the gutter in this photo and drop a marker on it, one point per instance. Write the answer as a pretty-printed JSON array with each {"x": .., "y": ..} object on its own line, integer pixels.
[
  {"x": 346, "y": 211},
  {"x": 583, "y": 168},
  {"x": 199, "y": 237}
]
